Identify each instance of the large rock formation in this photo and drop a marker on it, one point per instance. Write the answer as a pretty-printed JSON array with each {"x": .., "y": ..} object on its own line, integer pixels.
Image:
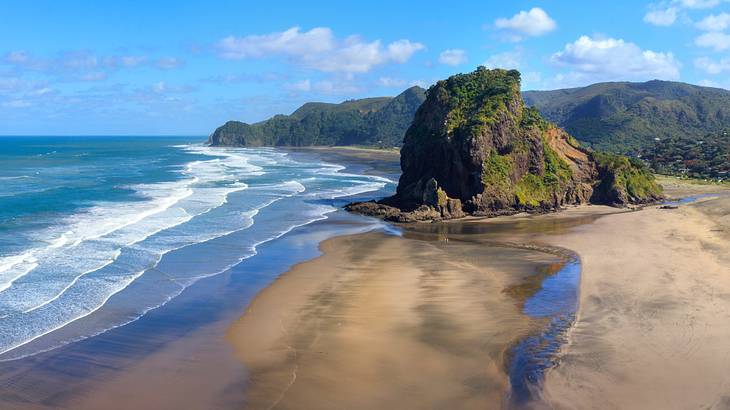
[{"x": 474, "y": 148}]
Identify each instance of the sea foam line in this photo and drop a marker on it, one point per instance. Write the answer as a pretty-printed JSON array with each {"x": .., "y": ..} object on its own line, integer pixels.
[
  {"x": 322, "y": 212},
  {"x": 137, "y": 275}
]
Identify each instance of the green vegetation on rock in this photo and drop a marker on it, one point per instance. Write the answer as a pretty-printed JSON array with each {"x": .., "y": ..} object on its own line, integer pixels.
[
  {"x": 496, "y": 171},
  {"x": 625, "y": 179},
  {"x": 477, "y": 143}
]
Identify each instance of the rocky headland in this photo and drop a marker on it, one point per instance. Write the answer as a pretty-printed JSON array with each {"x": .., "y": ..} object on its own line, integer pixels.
[{"x": 474, "y": 148}]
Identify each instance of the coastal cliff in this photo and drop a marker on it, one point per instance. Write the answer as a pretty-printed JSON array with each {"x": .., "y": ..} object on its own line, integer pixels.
[
  {"x": 474, "y": 148},
  {"x": 379, "y": 121}
]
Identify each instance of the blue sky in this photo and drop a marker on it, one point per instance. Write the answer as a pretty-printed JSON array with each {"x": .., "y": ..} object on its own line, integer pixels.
[{"x": 150, "y": 68}]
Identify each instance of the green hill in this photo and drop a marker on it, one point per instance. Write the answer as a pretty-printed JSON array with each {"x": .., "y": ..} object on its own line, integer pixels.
[
  {"x": 380, "y": 121},
  {"x": 628, "y": 118}
]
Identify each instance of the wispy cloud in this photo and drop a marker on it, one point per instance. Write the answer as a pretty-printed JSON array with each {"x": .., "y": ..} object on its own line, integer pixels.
[
  {"x": 245, "y": 78},
  {"x": 714, "y": 22},
  {"x": 391, "y": 82},
  {"x": 712, "y": 66},
  {"x": 169, "y": 63},
  {"x": 665, "y": 13},
  {"x": 715, "y": 40},
  {"x": 662, "y": 17},
  {"x": 80, "y": 65},
  {"x": 329, "y": 86},
  {"x": 453, "y": 57},
  {"x": 507, "y": 60}
]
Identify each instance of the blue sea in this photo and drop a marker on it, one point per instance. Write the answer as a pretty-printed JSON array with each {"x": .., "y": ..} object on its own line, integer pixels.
[{"x": 97, "y": 231}]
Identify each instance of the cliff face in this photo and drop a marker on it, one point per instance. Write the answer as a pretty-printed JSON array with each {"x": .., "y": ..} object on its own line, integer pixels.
[
  {"x": 370, "y": 121},
  {"x": 475, "y": 148}
]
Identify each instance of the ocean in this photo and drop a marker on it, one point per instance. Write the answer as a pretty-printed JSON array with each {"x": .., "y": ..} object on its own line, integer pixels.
[{"x": 97, "y": 231}]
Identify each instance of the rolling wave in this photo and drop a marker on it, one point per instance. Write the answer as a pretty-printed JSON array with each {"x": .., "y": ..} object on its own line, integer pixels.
[{"x": 214, "y": 209}]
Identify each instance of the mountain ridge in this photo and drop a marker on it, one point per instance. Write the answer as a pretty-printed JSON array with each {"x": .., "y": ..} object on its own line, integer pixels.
[
  {"x": 376, "y": 121},
  {"x": 626, "y": 117}
]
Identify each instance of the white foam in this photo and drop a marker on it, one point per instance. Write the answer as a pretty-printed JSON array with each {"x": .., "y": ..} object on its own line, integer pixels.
[{"x": 89, "y": 256}]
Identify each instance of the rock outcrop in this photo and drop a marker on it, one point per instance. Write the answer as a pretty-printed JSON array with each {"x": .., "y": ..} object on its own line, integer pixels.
[{"x": 474, "y": 148}]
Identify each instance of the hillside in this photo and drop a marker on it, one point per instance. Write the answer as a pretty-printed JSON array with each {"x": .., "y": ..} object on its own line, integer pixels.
[
  {"x": 705, "y": 157},
  {"x": 378, "y": 121},
  {"x": 626, "y": 118},
  {"x": 474, "y": 148}
]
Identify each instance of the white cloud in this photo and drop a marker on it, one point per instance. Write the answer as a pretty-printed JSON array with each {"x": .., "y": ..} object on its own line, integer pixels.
[
  {"x": 162, "y": 87},
  {"x": 319, "y": 49},
  {"x": 169, "y": 63},
  {"x": 711, "y": 66},
  {"x": 714, "y": 22},
  {"x": 533, "y": 23},
  {"x": 714, "y": 40},
  {"x": 92, "y": 76},
  {"x": 354, "y": 56},
  {"x": 81, "y": 65},
  {"x": 661, "y": 17},
  {"x": 665, "y": 13},
  {"x": 335, "y": 87},
  {"x": 507, "y": 60},
  {"x": 454, "y": 57},
  {"x": 42, "y": 91},
  {"x": 291, "y": 42},
  {"x": 17, "y": 104},
  {"x": 392, "y": 82},
  {"x": 401, "y": 51},
  {"x": 132, "y": 61},
  {"x": 592, "y": 59},
  {"x": 331, "y": 86},
  {"x": 698, "y": 4},
  {"x": 708, "y": 83},
  {"x": 304, "y": 85}
]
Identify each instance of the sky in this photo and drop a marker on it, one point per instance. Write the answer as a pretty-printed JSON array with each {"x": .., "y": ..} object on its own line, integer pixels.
[{"x": 185, "y": 67}]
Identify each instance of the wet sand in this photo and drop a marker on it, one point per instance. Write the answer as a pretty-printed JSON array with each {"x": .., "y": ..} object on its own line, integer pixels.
[
  {"x": 652, "y": 329},
  {"x": 388, "y": 322}
]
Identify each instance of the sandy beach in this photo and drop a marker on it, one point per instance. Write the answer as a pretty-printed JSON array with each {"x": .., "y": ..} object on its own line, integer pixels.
[
  {"x": 413, "y": 322},
  {"x": 384, "y": 321},
  {"x": 655, "y": 303}
]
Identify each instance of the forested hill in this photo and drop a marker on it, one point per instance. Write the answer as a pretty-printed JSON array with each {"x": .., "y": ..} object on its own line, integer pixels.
[
  {"x": 380, "y": 121},
  {"x": 629, "y": 118}
]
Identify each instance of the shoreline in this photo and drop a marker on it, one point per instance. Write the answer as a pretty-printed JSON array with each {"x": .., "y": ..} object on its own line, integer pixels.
[
  {"x": 339, "y": 328},
  {"x": 575, "y": 223},
  {"x": 175, "y": 355}
]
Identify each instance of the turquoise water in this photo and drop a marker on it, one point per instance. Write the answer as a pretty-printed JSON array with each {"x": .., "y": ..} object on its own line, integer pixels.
[{"x": 97, "y": 231}]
